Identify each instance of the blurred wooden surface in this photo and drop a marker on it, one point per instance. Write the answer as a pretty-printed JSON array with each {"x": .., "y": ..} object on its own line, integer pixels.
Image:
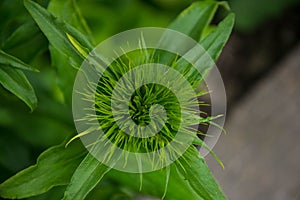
[{"x": 261, "y": 151}]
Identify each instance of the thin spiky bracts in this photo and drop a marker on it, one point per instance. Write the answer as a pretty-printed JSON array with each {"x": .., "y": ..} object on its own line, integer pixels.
[{"x": 141, "y": 102}]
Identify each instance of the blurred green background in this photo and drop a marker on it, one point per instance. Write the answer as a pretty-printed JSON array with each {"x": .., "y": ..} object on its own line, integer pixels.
[{"x": 265, "y": 31}]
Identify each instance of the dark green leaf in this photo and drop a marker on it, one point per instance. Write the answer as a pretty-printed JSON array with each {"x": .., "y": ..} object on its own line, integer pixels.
[
  {"x": 26, "y": 42},
  {"x": 154, "y": 183},
  {"x": 21, "y": 35},
  {"x": 75, "y": 24},
  {"x": 86, "y": 177},
  {"x": 53, "y": 194},
  {"x": 12, "y": 61},
  {"x": 65, "y": 80},
  {"x": 68, "y": 45},
  {"x": 69, "y": 12},
  {"x": 16, "y": 82},
  {"x": 55, "y": 31},
  {"x": 54, "y": 167}
]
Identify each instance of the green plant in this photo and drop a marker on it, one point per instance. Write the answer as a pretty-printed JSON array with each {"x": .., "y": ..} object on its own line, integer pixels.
[{"x": 71, "y": 172}]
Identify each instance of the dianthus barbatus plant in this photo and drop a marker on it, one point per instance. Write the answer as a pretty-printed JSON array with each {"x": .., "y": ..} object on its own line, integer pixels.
[{"x": 161, "y": 108}]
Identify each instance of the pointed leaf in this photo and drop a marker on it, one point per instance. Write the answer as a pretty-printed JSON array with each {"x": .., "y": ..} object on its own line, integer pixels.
[
  {"x": 16, "y": 82},
  {"x": 193, "y": 20},
  {"x": 214, "y": 42},
  {"x": 211, "y": 48},
  {"x": 21, "y": 35},
  {"x": 65, "y": 80},
  {"x": 54, "y": 167},
  {"x": 69, "y": 12},
  {"x": 55, "y": 31},
  {"x": 67, "y": 45},
  {"x": 12, "y": 61},
  {"x": 154, "y": 183},
  {"x": 75, "y": 25},
  {"x": 86, "y": 177},
  {"x": 194, "y": 169}
]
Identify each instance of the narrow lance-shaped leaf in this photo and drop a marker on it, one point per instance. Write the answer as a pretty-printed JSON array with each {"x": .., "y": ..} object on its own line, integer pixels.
[
  {"x": 191, "y": 22},
  {"x": 16, "y": 82},
  {"x": 26, "y": 35},
  {"x": 21, "y": 35},
  {"x": 68, "y": 46},
  {"x": 65, "y": 80},
  {"x": 75, "y": 25},
  {"x": 214, "y": 42},
  {"x": 86, "y": 177},
  {"x": 205, "y": 55},
  {"x": 154, "y": 183},
  {"x": 54, "y": 167},
  {"x": 69, "y": 12},
  {"x": 12, "y": 61},
  {"x": 194, "y": 169},
  {"x": 55, "y": 31}
]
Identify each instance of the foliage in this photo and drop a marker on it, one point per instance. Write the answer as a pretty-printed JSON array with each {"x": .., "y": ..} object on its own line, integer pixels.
[{"x": 56, "y": 43}]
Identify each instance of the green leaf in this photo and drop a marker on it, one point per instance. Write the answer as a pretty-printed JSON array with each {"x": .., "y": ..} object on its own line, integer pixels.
[
  {"x": 86, "y": 177},
  {"x": 12, "y": 61},
  {"x": 214, "y": 42},
  {"x": 56, "y": 32},
  {"x": 193, "y": 20},
  {"x": 194, "y": 169},
  {"x": 21, "y": 35},
  {"x": 65, "y": 80},
  {"x": 68, "y": 46},
  {"x": 69, "y": 12},
  {"x": 16, "y": 82},
  {"x": 54, "y": 167},
  {"x": 154, "y": 183},
  {"x": 53, "y": 194},
  {"x": 26, "y": 42},
  {"x": 75, "y": 27},
  {"x": 201, "y": 143}
]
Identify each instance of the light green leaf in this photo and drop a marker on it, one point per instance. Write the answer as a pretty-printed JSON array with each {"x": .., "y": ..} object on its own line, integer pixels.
[
  {"x": 54, "y": 167},
  {"x": 214, "y": 42},
  {"x": 193, "y": 20},
  {"x": 212, "y": 46},
  {"x": 16, "y": 82},
  {"x": 86, "y": 177},
  {"x": 194, "y": 169}
]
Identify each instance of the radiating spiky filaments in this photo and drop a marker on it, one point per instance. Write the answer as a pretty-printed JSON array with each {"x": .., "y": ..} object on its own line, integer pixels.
[{"x": 139, "y": 106}]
